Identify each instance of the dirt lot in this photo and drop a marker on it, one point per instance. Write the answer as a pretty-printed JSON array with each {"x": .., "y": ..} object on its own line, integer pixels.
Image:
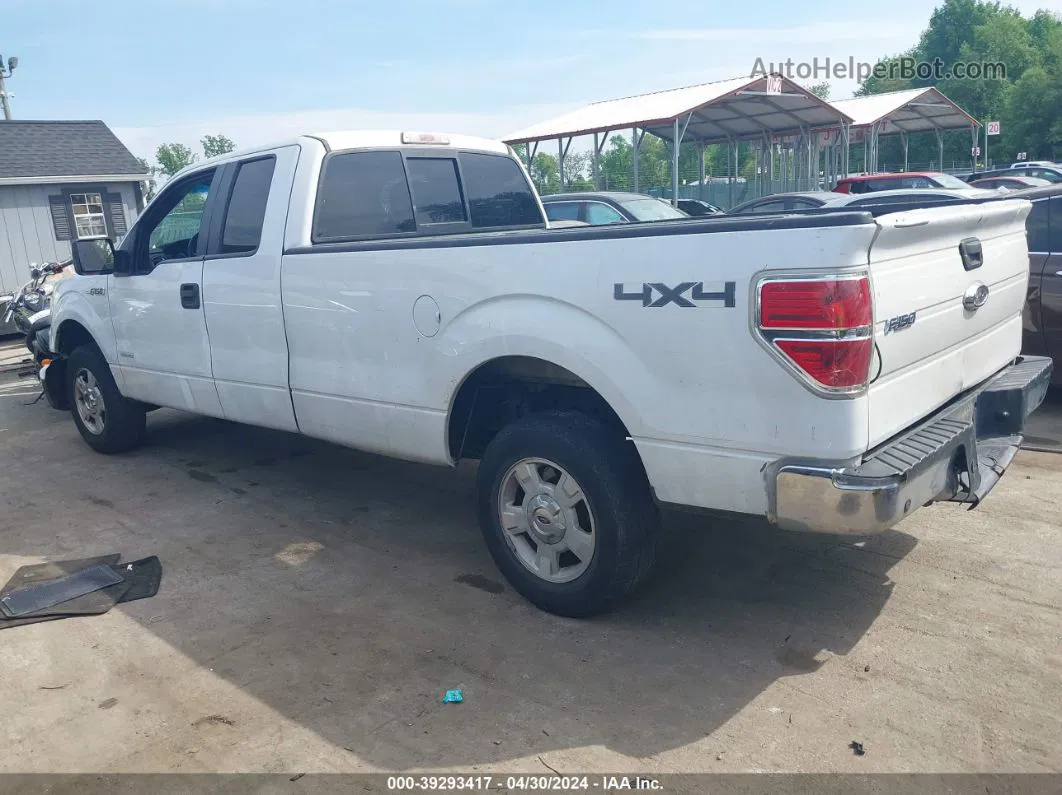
[{"x": 317, "y": 603}]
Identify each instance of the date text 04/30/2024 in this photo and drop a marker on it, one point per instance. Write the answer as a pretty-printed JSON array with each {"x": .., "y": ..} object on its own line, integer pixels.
[{"x": 521, "y": 783}]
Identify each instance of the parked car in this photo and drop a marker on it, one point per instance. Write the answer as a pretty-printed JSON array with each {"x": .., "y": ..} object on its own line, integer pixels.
[
  {"x": 865, "y": 183},
  {"x": 1009, "y": 183},
  {"x": 912, "y": 197},
  {"x": 1028, "y": 163},
  {"x": 1043, "y": 310},
  {"x": 695, "y": 208},
  {"x": 1049, "y": 173},
  {"x": 783, "y": 202},
  {"x": 788, "y": 202},
  {"x": 609, "y": 207},
  {"x": 842, "y": 369}
]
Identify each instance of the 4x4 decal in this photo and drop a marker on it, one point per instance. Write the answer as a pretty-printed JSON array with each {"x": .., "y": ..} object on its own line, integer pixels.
[{"x": 677, "y": 294}]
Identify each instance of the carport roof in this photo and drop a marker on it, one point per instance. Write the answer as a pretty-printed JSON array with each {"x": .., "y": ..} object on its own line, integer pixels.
[
  {"x": 716, "y": 112},
  {"x": 913, "y": 110}
]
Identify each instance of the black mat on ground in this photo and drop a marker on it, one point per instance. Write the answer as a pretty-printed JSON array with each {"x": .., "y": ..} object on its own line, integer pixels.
[
  {"x": 46, "y": 594},
  {"x": 39, "y": 572},
  {"x": 141, "y": 580}
]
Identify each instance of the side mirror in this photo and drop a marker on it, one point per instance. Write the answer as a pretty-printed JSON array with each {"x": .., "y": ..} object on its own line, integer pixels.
[{"x": 93, "y": 256}]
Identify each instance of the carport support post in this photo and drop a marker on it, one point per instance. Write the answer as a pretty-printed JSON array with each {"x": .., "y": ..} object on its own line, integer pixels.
[
  {"x": 903, "y": 142},
  {"x": 940, "y": 148},
  {"x": 560, "y": 162},
  {"x": 700, "y": 187},
  {"x": 973, "y": 146},
  {"x": 675, "y": 163},
  {"x": 595, "y": 164},
  {"x": 634, "y": 157},
  {"x": 732, "y": 172}
]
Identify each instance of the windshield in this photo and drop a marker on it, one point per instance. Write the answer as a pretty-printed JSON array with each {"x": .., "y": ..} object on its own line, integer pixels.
[
  {"x": 948, "y": 181},
  {"x": 652, "y": 210}
]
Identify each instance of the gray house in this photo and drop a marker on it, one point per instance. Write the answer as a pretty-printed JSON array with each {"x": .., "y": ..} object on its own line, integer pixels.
[{"x": 60, "y": 180}]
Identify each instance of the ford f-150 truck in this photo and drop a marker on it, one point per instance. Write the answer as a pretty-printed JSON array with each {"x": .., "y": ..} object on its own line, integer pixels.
[{"x": 403, "y": 294}]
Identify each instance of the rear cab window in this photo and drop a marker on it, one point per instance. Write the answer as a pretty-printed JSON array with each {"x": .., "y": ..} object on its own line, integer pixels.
[
  {"x": 363, "y": 194},
  {"x": 498, "y": 195},
  {"x": 406, "y": 191}
]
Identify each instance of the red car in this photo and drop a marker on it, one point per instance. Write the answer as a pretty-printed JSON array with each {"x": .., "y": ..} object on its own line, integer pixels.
[{"x": 866, "y": 183}]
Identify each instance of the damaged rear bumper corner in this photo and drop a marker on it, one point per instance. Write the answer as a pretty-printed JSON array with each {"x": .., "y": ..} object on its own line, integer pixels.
[{"x": 958, "y": 453}]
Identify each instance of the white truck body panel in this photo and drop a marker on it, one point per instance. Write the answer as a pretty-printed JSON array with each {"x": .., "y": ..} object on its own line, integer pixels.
[
  {"x": 245, "y": 318},
  {"x": 368, "y": 344},
  {"x": 947, "y": 349}
]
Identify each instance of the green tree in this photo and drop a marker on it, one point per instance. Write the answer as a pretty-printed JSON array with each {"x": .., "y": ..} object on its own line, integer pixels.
[
  {"x": 820, "y": 90},
  {"x": 952, "y": 25},
  {"x": 214, "y": 145},
  {"x": 891, "y": 79},
  {"x": 617, "y": 163},
  {"x": 173, "y": 157},
  {"x": 544, "y": 173}
]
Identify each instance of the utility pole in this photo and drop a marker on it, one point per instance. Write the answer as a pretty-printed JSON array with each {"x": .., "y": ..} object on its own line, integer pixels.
[{"x": 12, "y": 62}]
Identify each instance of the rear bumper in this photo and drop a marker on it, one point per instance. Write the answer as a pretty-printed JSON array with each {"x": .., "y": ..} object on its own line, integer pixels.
[{"x": 958, "y": 454}]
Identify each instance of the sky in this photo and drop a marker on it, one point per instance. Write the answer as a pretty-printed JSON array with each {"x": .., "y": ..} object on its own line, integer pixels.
[{"x": 264, "y": 70}]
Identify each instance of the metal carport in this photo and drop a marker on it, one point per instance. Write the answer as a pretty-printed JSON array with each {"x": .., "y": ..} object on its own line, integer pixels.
[
  {"x": 917, "y": 110},
  {"x": 770, "y": 109}
]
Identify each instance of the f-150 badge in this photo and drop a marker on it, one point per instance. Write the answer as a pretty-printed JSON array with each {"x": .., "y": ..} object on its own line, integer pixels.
[
  {"x": 655, "y": 294},
  {"x": 899, "y": 323}
]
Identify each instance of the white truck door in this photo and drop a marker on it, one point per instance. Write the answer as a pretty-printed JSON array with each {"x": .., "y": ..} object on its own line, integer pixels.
[
  {"x": 241, "y": 289},
  {"x": 157, "y": 310}
]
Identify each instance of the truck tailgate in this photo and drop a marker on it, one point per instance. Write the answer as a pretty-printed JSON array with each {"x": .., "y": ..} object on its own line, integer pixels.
[{"x": 929, "y": 344}]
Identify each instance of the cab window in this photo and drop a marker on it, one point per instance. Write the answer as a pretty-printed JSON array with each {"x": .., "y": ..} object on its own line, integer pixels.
[{"x": 172, "y": 230}]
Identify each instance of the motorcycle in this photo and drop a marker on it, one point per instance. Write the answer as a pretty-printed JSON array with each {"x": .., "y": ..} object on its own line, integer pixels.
[{"x": 30, "y": 311}]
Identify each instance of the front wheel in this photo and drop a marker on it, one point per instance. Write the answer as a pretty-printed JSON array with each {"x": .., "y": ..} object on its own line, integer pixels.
[
  {"x": 566, "y": 512},
  {"x": 108, "y": 422}
]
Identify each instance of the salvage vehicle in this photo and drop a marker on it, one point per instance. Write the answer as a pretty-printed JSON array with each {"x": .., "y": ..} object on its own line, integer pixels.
[{"x": 401, "y": 293}]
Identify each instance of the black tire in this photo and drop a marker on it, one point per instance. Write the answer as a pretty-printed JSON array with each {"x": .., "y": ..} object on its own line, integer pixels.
[
  {"x": 125, "y": 421},
  {"x": 610, "y": 473}
]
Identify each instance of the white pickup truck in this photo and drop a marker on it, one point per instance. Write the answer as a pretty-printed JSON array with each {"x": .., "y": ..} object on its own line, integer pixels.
[{"x": 402, "y": 294}]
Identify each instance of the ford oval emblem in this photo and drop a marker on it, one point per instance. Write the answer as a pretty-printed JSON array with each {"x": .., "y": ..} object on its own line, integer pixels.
[{"x": 975, "y": 296}]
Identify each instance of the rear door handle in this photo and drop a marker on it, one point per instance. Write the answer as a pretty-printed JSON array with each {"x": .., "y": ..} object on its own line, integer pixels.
[{"x": 190, "y": 296}]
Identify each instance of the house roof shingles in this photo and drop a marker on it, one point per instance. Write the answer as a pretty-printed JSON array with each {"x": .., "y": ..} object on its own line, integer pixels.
[{"x": 62, "y": 149}]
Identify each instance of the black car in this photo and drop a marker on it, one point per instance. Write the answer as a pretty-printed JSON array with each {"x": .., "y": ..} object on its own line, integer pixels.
[
  {"x": 609, "y": 207},
  {"x": 1042, "y": 323},
  {"x": 695, "y": 208},
  {"x": 784, "y": 202}
]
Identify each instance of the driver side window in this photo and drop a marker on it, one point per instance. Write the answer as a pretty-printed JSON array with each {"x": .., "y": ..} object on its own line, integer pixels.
[{"x": 172, "y": 231}]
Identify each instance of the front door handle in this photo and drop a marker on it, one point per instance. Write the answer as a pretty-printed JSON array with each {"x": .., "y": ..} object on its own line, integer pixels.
[{"x": 190, "y": 296}]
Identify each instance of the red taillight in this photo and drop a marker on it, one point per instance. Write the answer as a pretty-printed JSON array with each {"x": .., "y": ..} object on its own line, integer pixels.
[
  {"x": 827, "y": 304},
  {"x": 837, "y": 364},
  {"x": 822, "y": 327}
]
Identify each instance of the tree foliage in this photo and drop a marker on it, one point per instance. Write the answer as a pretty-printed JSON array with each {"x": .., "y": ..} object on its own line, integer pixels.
[
  {"x": 1027, "y": 100},
  {"x": 820, "y": 90},
  {"x": 173, "y": 157},
  {"x": 214, "y": 145}
]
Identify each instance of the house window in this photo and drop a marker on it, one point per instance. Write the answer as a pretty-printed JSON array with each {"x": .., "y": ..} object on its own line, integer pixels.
[{"x": 89, "y": 220}]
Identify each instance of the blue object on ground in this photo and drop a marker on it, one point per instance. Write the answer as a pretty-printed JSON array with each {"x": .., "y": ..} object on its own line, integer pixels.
[{"x": 453, "y": 697}]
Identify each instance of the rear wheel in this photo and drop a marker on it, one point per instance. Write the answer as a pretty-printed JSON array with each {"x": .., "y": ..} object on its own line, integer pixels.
[
  {"x": 566, "y": 512},
  {"x": 108, "y": 422}
]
